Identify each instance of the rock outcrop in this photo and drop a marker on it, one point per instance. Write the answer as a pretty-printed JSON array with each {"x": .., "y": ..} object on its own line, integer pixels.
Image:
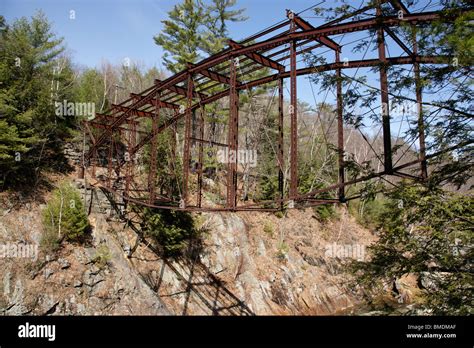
[{"x": 249, "y": 263}]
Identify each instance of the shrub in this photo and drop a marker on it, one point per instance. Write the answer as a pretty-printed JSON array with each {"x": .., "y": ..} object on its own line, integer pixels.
[
  {"x": 268, "y": 228},
  {"x": 64, "y": 217},
  {"x": 279, "y": 214},
  {"x": 426, "y": 232},
  {"x": 102, "y": 256},
  {"x": 368, "y": 211},
  {"x": 282, "y": 251},
  {"x": 325, "y": 212},
  {"x": 173, "y": 230}
]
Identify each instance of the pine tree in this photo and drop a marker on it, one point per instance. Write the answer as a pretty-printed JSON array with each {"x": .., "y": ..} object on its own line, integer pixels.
[
  {"x": 34, "y": 74},
  {"x": 218, "y": 14},
  {"x": 194, "y": 29},
  {"x": 182, "y": 35}
]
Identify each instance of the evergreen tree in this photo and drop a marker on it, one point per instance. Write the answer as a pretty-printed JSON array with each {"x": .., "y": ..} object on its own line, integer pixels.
[
  {"x": 182, "y": 35},
  {"x": 64, "y": 217},
  {"x": 193, "y": 29},
  {"x": 34, "y": 74},
  {"x": 218, "y": 14},
  {"x": 426, "y": 233}
]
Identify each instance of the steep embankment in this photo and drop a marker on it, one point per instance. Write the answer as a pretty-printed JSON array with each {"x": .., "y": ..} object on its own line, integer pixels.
[
  {"x": 90, "y": 279},
  {"x": 250, "y": 263},
  {"x": 273, "y": 265}
]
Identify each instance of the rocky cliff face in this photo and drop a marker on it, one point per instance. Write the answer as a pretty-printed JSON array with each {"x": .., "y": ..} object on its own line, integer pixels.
[
  {"x": 90, "y": 279},
  {"x": 284, "y": 265},
  {"x": 257, "y": 263},
  {"x": 250, "y": 263}
]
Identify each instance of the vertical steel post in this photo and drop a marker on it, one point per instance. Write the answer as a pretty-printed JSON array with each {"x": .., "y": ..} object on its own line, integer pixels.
[
  {"x": 154, "y": 142},
  {"x": 419, "y": 100},
  {"x": 280, "y": 140},
  {"x": 131, "y": 144},
  {"x": 187, "y": 139},
  {"x": 387, "y": 140},
  {"x": 293, "y": 120},
  {"x": 233, "y": 135},
  {"x": 117, "y": 151},
  {"x": 82, "y": 168},
  {"x": 172, "y": 160},
  {"x": 200, "y": 156},
  {"x": 93, "y": 161},
  {"x": 340, "y": 131},
  {"x": 110, "y": 156}
]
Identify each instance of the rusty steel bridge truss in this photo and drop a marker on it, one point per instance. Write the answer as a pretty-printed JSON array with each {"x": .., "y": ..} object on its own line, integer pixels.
[{"x": 180, "y": 101}]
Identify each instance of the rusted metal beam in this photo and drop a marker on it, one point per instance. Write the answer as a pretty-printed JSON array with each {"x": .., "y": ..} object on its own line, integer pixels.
[
  {"x": 419, "y": 101},
  {"x": 257, "y": 57},
  {"x": 398, "y": 41},
  {"x": 162, "y": 104},
  {"x": 281, "y": 158},
  {"x": 111, "y": 118},
  {"x": 343, "y": 28},
  {"x": 135, "y": 112},
  {"x": 387, "y": 136},
  {"x": 265, "y": 32},
  {"x": 346, "y": 16},
  {"x": 232, "y": 138},
  {"x": 110, "y": 155},
  {"x": 106, "y": 126},
  {"x": 181, "y": 91},
  {"x": 132, "y": 139},
  {"x": 301, "y": 23},
  {"x": 153, "y": 151},
  {"x": 215, "y": 76},
  {"x": 187, "y": 139},
  {"x": 398, "y": 5},
  {"x": 348, "y": 65},
  {"x": 200, "y": 156},
  {"x": 293, "y": 120},
  {"x": 204, "y": 141},
  {"x": 273, "y": 42},
  {"x": 300, "y": 72},
  {"x": 340, "y": 130},
  {"x": 119, "y": 120}
]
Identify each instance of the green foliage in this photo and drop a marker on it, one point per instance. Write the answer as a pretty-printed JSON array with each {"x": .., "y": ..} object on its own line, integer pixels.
[
  {"x": 31, "y": 134},
  {"x": 181, "y": 36},
  {"x": 218, "y": 14},
  {"x": 426, "y": 232},
  {"x": 282, "y": 251},
  {"x": 64, "y": 217},
  {"x": 173, "y": 230},
  {"x": 279, "y": 214},
  {"x": 268, "y": 228},
  {"x": 369, "y": 208},
  {"x": 368, "y": 212},
  {"x": 325, "y": 212},
  {"x": 194, "y": 28},
  {"x": 91, "y": 89},
  {"x": 102, "y": 256},
  {"x": 168, "y": 171},
  {"x": 267, "y": 158}
]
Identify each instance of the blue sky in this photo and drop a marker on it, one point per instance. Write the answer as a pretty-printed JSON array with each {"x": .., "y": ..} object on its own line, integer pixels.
[{"x": 115, "y": 29}]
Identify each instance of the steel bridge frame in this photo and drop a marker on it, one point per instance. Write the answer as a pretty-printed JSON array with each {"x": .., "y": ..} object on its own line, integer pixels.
[{"x": 188, "y": 92}]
